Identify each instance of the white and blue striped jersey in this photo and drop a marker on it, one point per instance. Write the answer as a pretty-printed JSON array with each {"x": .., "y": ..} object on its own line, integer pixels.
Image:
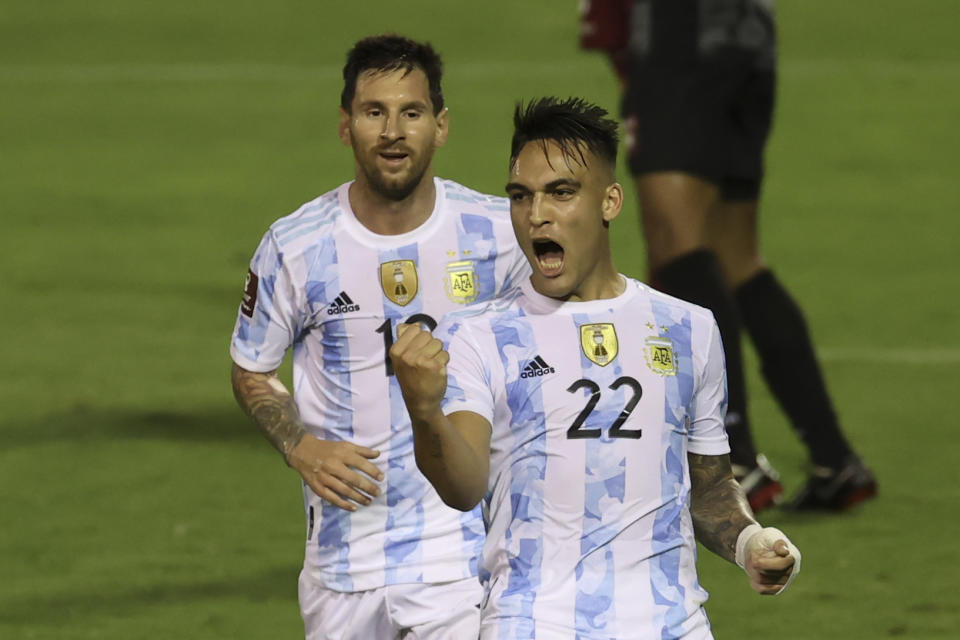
[
  {"x": 326, "y": 285},
  {"x": 594, "y": 407}
]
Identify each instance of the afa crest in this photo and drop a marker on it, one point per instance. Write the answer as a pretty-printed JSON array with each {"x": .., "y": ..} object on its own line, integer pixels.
[
  {"x": 659, "y": 355},
  {"x": 399, "y": 281},
  {"x": 599, "y": 342},
  {"x": 461, "y": 282}
]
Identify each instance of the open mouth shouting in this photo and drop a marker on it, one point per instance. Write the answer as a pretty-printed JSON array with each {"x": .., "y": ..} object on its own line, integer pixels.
[{"x": 549, "y": 257}]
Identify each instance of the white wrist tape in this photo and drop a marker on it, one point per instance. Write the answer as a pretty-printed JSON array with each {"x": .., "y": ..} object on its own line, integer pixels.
[
  {"x": 742, "y": 540},
  {"x": 767, "y": 538}
]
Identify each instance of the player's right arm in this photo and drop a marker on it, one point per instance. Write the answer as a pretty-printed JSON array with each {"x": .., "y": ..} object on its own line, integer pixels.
[
  {"x": 453, "y": 452},
  {"x": 267, "y": 322},
  {"x": 338, "y": 472}
]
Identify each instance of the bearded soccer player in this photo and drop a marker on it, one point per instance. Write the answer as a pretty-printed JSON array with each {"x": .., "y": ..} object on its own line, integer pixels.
[
  {"x": 586, "y": 411},
  {"x": 385, "y": 558}
]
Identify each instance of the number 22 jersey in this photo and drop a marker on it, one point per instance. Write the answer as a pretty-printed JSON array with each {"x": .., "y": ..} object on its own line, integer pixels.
[
  {"x": 594, "y": 407},
  {"x": 324, "y": 284}
]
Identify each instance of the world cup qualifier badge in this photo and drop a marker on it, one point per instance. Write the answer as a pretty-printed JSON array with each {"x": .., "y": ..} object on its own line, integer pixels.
[
  {"x": 658, "y": 352},
  {"x": 461, "y": 282},
  {"x": 599, "y": 342},
  {"x": 399, "y": 281},
  {"x": 249, "y": 301}
]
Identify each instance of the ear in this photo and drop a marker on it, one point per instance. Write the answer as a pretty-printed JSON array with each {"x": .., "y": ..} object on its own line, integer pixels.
[
  {"x": 612, "y": 201},
  {"x": 343, "y": 129},
  {"x": 443, "y": 128}
]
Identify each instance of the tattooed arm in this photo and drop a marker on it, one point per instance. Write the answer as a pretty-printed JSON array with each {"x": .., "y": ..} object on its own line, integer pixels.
[
  {"x": 338, "y": 472},
  {"x": 719, "y": 508},
  {"x": 453, "y": 452},
  {"x": 268, "y": 403},
  {"x": 721, "y": 514}
]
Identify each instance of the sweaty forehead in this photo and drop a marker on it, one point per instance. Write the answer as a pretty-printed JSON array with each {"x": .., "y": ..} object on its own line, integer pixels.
[{"x": 546, "y": 157}]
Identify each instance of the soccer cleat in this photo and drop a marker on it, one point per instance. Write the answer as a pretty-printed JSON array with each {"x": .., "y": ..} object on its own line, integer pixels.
[
  {"x": 836, "y": 489},
  {"x": 761, "y": 483}
]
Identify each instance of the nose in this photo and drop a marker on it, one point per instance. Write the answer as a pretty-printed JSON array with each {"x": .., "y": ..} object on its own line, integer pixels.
[
  {"x": 391, "y": 128},
  {"x": 539, "y": 214}
]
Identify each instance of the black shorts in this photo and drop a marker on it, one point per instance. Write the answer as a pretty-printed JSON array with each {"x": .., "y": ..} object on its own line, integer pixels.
[{"x": 699, "y": 104}]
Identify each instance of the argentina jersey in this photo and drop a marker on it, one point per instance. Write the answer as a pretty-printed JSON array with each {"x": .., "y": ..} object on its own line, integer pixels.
[
  {"x": 594, "y": 407},
  {"x": 325, "y": 285}
]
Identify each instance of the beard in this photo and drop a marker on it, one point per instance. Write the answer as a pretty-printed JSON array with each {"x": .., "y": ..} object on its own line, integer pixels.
[{"x": 395, "y": 187}]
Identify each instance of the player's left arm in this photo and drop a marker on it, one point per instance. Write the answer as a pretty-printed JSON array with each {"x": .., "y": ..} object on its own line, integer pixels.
[
  {"x": 717, "y": 503},
  {"x": 724, "y": 524}
]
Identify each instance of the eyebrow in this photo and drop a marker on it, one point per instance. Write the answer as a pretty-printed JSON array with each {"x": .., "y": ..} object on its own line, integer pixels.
[
  {"x": 550, "y": 186},
  {"x": 562, "y": 182},
  {"x": 415, "y": 104}
]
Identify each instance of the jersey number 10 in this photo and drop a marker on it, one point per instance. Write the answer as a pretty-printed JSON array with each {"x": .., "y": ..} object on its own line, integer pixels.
[{"x": 387, "y": 330}]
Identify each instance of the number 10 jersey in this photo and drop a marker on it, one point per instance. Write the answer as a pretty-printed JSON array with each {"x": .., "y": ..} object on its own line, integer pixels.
[
  {"x": 324, "y": 284},
  {"x": 594, "y": 408}
]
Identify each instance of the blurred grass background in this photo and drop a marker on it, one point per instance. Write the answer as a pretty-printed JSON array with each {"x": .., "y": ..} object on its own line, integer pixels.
[{"x": 145, "y": 147}]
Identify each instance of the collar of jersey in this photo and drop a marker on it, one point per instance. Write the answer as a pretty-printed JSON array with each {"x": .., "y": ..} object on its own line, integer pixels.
[
  {"x": 539, "y": 303},
  {"x": 377, "y": 241}
]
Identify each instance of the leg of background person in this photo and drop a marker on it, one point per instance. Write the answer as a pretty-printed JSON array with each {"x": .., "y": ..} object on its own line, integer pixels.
[
  {"x": 777, "y": 328},
  {"x": 674, "y": 209}
]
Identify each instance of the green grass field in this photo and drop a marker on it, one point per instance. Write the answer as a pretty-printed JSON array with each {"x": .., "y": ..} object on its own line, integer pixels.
[{"x": 145, "y": 147}]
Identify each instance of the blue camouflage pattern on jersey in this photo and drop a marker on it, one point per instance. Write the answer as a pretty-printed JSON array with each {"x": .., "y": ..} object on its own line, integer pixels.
[
  {"x": 524, "y": 536},
  {"x": 668, "y": 592},
  {"x": 605, "y": 475},
  {"x": 406, "y": 487}
]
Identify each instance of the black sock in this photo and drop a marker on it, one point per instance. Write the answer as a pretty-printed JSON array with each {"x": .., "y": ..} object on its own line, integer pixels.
[
  {"x": 779, "y": 333},
  {"x": 696, "y": 277}
]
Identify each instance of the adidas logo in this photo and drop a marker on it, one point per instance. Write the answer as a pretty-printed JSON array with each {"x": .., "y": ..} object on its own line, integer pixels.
[
  {"x": 342, "y": 304},
  {"x": 536, "y": 368}
]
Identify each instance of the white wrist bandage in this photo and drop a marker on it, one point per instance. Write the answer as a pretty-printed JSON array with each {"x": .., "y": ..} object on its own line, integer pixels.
[
  {"x": 753, "y": 535},
  {"x": 742, "y": 540}
]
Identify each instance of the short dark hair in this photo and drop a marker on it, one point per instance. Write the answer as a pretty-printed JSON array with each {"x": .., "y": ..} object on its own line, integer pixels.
[
  {"x": 574, "y": 124},
  {"x": 391, "y": 52}
]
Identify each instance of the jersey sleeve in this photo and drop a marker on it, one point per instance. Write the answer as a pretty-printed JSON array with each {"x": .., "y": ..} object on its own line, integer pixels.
[
  {"x": 269, "y": 318},
  {"x": 510, "y": 257},
  {"x": 707, "y": 433},
  {"x": 468, "y": 376},
  {"x": 518, "y": 270}
]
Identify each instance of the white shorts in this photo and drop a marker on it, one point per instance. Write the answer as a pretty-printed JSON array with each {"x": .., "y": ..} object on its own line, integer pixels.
[{"x": 416, "y": 611}]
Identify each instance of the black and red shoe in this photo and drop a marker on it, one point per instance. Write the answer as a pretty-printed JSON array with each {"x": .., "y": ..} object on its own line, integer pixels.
[
  {"x": 836, "y": 489},
  {"x": 761, "y": 483}
]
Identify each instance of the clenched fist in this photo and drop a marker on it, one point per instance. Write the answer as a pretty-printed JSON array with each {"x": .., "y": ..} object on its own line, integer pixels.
[
  {"x": 769, "y": 558},
  {"x": 420, "y": 364}
]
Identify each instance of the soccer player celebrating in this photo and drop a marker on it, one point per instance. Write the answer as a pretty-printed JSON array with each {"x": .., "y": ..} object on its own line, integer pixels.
[
  {"x": 586, "y": 411},
  {"x": 385, "y": 558}
]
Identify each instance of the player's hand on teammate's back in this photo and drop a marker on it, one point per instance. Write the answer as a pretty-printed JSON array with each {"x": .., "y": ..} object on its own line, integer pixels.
[
  {"x": 420, "y": 364},
  {"x": 338, "y": 472},
  {"x": 770, "y": 560}
]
